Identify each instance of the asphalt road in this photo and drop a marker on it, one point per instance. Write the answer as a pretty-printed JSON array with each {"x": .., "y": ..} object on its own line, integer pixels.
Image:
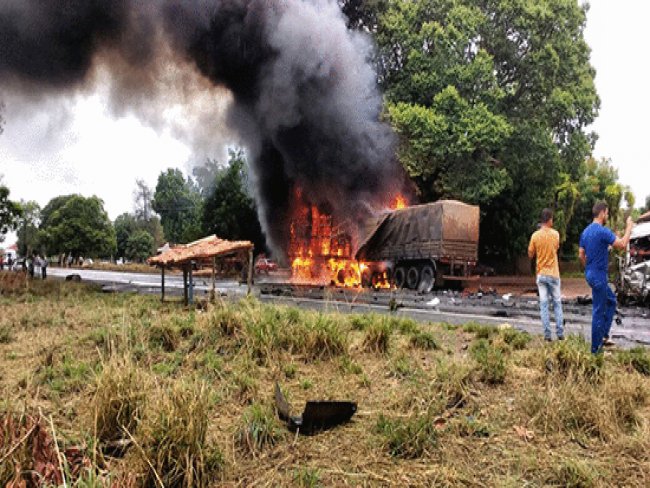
[{"x": 634, "y": 330}]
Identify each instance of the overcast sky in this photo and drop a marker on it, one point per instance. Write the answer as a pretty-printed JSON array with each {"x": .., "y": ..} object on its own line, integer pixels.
[{"x": 44, "y": 153}]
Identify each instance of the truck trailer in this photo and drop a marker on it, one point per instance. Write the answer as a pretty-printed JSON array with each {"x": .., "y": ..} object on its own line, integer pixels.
[{"x": 422, "y": 246}]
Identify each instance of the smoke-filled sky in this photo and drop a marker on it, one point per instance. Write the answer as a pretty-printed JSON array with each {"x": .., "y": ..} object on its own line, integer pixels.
[{"x": 96, "y": 131}]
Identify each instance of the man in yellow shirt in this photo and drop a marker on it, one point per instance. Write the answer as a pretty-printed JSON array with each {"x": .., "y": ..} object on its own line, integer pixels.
[{"x": 544, "y": 245}]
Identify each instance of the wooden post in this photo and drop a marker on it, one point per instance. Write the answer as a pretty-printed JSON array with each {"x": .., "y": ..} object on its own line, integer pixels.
[
  {"x": 162, "y": 284},
  {"x": 250, "y": 270},
  {"x": 214, "y": 272},
  {"x": 185, "y": 284},
  {"x": 191, "y": 286}
]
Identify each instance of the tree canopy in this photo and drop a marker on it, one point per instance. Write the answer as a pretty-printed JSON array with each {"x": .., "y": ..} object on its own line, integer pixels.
[
  {"x": 229, "y": 211},
  {"x": 491, "y": 101},
  {"x": 139, "y": 246},
  {"x": 78, "y": 225},
  {"x": 178, "y": 203},
  {"x": 10, "y": 212},
  {"x": 27, "y": 228}
]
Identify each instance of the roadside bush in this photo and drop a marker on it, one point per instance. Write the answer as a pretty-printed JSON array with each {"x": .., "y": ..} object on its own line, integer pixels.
[{"x": 164, "y": 336}]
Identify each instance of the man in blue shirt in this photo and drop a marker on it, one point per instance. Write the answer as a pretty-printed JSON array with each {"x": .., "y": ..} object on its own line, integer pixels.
[{"x": 595, "y": 242}]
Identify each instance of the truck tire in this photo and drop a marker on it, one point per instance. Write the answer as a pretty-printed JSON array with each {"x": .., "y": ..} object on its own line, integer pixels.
[
  {"x": 427, "y": 279},
  {"x": 413, "y": 278},
  {"x": 399, "y": 277}
]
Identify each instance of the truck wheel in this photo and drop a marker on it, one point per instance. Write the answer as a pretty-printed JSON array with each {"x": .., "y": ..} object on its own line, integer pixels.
[
  {"x": 427, "y": 279},
  {"x": 413, "y": 278},
  {"x": 399, "y": 277}
]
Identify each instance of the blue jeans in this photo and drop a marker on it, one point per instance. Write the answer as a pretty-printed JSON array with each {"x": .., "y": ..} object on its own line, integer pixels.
[
  {"x": 603, "y": 311},
  {"x": 550, "y": 286}
]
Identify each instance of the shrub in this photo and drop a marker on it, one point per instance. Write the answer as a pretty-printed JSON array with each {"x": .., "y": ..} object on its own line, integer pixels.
[
  {"x": 481, "y": 331},
  {"x": 573, "y": 355},
  {"x": 6, "y": 335}
]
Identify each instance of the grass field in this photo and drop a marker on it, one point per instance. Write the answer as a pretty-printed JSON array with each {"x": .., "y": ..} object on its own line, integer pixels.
[{"x": 121, "y": 390}]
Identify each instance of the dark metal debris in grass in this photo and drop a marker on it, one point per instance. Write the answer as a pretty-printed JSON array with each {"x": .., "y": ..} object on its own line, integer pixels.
[
  {"x": 73, "y": 277},
  {"x": 584, "y": 300},
  {"x": 317, "y": 416}
]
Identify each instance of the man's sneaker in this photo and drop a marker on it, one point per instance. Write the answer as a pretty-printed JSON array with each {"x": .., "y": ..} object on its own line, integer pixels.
[
  {"x": 607, "y": 342},
  {"x": 560, "y": 338},
  {"x": 548, "y": 339}
]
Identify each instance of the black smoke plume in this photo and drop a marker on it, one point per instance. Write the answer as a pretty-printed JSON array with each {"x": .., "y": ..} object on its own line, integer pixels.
[{"x": 304, "y": 97}]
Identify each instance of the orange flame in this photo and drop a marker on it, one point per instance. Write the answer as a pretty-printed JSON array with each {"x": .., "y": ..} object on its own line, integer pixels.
[{"x": 399, "y": 202}]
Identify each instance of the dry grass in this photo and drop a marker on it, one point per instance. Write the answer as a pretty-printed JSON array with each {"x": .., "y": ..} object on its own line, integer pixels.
[{"x": 438, "y": 405}]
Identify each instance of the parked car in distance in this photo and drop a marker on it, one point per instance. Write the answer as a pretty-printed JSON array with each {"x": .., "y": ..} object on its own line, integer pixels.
[{"x": 265, "y": 265}]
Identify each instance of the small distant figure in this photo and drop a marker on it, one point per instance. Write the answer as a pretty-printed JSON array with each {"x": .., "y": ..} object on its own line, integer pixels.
[
  {"x": 44, "y": 264},
  {"x": 69, "y": 260},
  {"x": 544, "y": 245},
  {"x": 595, "y": 242}
]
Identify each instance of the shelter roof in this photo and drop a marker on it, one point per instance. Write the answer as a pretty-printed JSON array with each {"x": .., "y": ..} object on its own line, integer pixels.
[{"x": 203, "y": 249}]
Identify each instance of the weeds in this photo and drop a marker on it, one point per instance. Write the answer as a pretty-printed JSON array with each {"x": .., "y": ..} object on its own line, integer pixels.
[
  {"x": 491, "y": 361},
  {"x": 408, "y": 438},
  {"x": 307, "y": 477},
  {"x": 481, "y": 331},
  {"x": 259, "y": 429},
  {"x": 424, "y": 340},
  {"x": 119, "y": 399},
  {"x": 377, "y": 338},
  {"x": 172, "y": 438},
  {"x": 6, "y": 335},
  {"x": 637, "y": 358},
  {"x": 516, "y": 339}
]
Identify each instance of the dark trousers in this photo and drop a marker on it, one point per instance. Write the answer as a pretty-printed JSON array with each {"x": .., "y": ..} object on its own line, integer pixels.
[{"x": 604, "y": 309}]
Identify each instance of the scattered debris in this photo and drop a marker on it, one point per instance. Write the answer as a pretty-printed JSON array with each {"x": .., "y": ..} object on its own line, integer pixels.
[
  {"x": 318, "y": 415},
  {"x": 584, "y": 300},
  {"x": 73, "y": 277},
  {"x": 434, "y": 303}
]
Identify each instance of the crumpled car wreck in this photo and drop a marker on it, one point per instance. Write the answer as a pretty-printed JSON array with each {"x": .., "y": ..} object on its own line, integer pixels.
[{"x": 634, "y": 267}]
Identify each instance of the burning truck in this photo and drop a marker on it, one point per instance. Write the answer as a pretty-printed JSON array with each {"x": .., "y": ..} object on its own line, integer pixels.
[
  {"x": 634, "y": 268},
  {"x": 415, "y": 247}
]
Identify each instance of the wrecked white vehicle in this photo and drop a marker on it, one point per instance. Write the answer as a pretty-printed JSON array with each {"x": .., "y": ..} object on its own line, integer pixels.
[{"x": 634, "y": 267}]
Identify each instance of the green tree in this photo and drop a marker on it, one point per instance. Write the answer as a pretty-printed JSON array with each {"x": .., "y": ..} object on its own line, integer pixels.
[
  {"x": 491, "y": 100},
  {"x": 79, "y": 226},
  {"x": 230, "y": 212},
  {"x": 139, "y": 246},
  {"x": 598, "y": 181},
  {"x": 10, "y": 212},
  {"x": 125, "y": 225},
  {"x": 27, "y": 228},
  {"x": 178, "y": 203}
]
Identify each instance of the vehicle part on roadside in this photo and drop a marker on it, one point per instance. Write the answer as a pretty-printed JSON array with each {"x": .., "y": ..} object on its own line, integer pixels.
[{"x": 317, "y": 416}]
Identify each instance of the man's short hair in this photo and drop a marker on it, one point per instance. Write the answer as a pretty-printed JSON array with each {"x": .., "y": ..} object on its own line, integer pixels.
[
  {"x": 547, "y": 214},
  {"x": 598, "y": 208}
]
